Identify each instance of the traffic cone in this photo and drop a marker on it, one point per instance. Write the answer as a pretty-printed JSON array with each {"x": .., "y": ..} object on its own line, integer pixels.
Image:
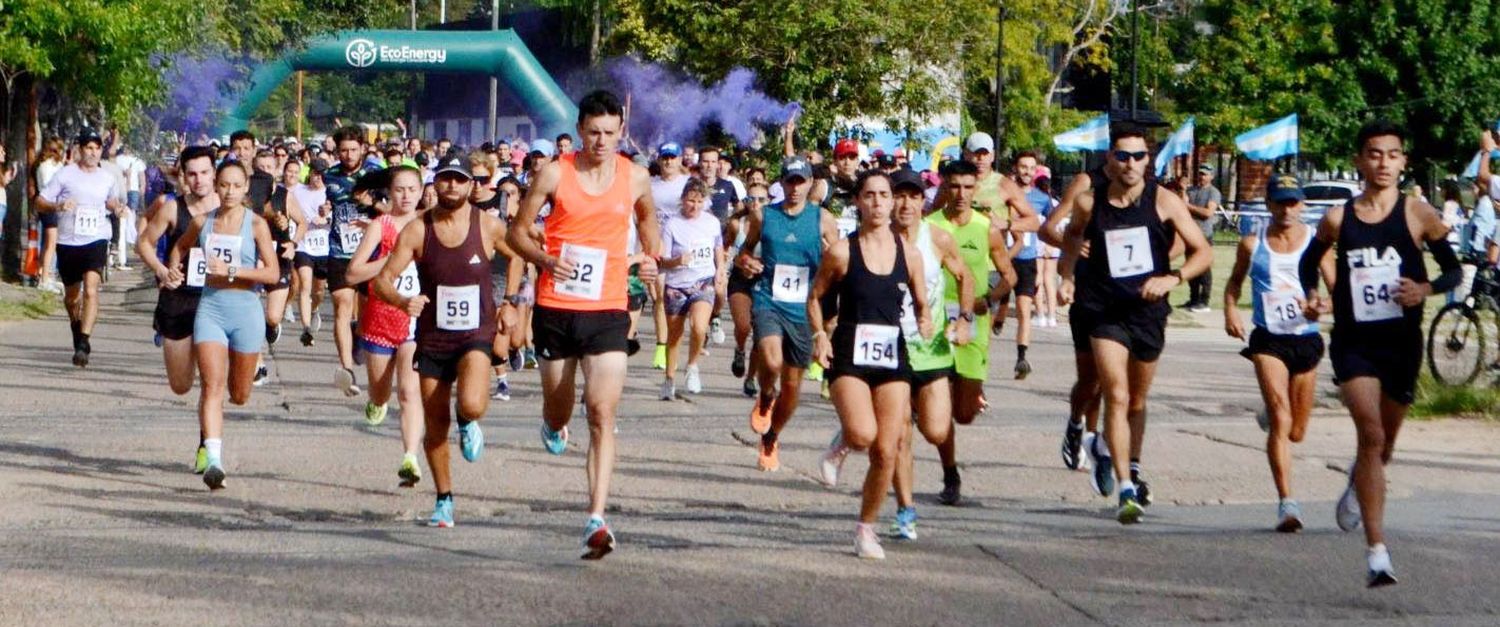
[{"x": 31, "y": 266}]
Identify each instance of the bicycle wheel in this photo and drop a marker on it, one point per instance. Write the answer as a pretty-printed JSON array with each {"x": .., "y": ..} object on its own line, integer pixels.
[{"x": 1456, "y": 345}]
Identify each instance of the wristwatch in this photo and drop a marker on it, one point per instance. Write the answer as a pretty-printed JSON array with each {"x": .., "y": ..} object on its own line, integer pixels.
[
  {"x": 233, "y": 270},
  {"x": 966, "y": 316},
  {"x": 513, "y": 300},
  {"x": 1177, "y": 273}
]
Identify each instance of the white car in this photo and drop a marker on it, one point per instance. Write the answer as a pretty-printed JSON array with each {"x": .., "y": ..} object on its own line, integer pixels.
[{"x": 1324, "y": 194}]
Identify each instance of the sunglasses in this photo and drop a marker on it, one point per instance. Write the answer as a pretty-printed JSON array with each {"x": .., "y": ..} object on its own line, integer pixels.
[
  {"x": 1121, "y": 155},
  {"x": 760, "y": 199}
]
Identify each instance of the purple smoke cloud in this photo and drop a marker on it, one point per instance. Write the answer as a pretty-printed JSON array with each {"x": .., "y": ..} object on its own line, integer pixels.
[
  {"x": 668, "y": 106},
  {"x": 201, "y": 89}
]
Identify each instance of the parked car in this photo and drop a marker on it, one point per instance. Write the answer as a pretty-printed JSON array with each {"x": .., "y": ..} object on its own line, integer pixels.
[{"x": 1251, "y": 215}]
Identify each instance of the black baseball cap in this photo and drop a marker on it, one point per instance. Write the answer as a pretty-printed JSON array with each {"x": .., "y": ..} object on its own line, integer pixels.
[
  {"x": 456, "y": 165},
  {"x": 89, "y": 135},
  {"x": 907, "y": 178}
]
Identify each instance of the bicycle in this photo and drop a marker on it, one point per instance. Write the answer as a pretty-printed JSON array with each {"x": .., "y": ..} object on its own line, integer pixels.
[{"x": 1464, "y": 338}]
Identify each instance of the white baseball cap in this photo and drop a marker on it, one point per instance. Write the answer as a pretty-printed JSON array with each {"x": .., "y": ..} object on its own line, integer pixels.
[{"x": 980, "y": 141}]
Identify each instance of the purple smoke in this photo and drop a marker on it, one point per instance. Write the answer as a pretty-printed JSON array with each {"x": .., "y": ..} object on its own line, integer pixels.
[
  {"x": 668, "y": 106},
  {"x": 201, "y": 89}
]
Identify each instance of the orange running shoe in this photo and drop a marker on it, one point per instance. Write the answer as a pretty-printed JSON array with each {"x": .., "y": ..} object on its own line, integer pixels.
[
  {"x": 760, "y": 421},
  {"x": 770, "y": 458}
]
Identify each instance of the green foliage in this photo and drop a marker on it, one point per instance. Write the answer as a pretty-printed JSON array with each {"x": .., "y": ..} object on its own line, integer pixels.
[{"x": 1435, "y": 400}]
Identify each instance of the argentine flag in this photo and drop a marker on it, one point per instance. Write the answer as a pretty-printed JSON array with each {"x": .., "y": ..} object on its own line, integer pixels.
[
  {"x": 1272, "y": 141},
  {"x": 1180, "y": 143},
  {"x": 1093, "y": 135}
]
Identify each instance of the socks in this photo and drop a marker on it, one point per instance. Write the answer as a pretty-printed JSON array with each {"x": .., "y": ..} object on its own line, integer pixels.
[
  {"x": 445, "y": 496},
  {"x": 215, "y": 448},
  {"x": 950, "y": 475},
  {"x": 77, "y": 328},
  {"x": 1127, "y": 486},
  {"x": 768, "y": 438},
  {"x": 1020, "y": 351},
  {"x": 463, "y": 422},
  {"x": 1135, "y": 470}
]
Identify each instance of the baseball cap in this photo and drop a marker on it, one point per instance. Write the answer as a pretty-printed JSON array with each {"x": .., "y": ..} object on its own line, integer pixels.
[
  {"x": 89, "y": 135},
  {"x": 796, "y": 166},
  {"x": 845, "y": 146},
  {"x": 885, "y": 160},
  {"x": 980, "y": 141},
  {"x": 456, "y": 165},
  {"x": 545, "y": 147},
  {"x": 907, "y": 178},
  {"x": 1284, "y": 187},
  {"x": 1206, "y": 168},
  {"x": 669, "y": 149},
  {"x": 317, "y": 166}
]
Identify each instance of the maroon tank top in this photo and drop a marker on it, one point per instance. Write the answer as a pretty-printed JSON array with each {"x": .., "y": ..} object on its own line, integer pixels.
[{"x": 460, "y": 309}]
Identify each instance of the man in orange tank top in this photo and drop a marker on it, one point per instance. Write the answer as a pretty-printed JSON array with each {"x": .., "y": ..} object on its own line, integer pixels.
[{"x": 580, "y": 316}]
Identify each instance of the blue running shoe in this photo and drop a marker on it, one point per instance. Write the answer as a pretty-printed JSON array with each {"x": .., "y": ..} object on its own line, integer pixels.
[
  {"x": 1130, "y": 509},
  {"x": 906, "y": 524},
  {"x": 556, "y": 442},
  {"x": 471, "y": 440},
  {"x": 1103, "y": 476},
  {"x": 156, "y": 339},
  {"x": 597, "y": 539},
  {"x": 442, "y": 513}
]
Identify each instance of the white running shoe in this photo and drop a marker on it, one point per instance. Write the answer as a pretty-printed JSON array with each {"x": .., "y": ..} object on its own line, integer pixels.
[
  {"x": 832, "y": 461},
  {"x": 1379, "y": 570},
  {"x": 668, "y": 390},
  {"x": 1347, "y": 514},
  {"x": 716, "y": 331},
  {"x": 866, "y": 543},
  {"x": 694, "y": 382}
]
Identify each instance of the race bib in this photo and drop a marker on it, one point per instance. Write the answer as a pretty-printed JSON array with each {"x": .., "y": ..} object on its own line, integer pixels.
[
  {"x": 875, "y": 346},
  {"x": 407, "y": 284},
  {"x": 1129, "y": 252},
  {"x": 1283, "y": 312},
  {"x": 315, "y": 243},
  {"x": 225, "y": 248},
  {"x": 587, "y": 281},
  {"x": 789, "y": 283},
  {"x": 89, "y": 221},
  {"x": 458, "y": 307},
  {"x": 1374, "y": 293},
  {"x": 197, "y": 267},
  {"x": 350, "y": 237},
  {"x": 701, "y": 256},
  {"x": 909, "y": 326}
]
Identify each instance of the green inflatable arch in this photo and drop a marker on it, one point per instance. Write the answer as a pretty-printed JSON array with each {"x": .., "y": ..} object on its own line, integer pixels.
[{"x": 498, "y": 53}]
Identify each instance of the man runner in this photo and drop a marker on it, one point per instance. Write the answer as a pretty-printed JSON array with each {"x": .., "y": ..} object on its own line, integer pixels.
[
  {"x": 346, "y": 230},
  {"x": 666, "y": 193},
  {"x": 580, "y": 319}
]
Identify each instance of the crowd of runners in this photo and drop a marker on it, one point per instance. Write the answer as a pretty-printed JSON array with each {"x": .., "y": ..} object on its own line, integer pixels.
[{"x": 446, "y": 271}]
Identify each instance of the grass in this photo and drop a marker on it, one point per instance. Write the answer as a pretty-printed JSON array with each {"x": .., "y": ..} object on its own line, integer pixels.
[
  {"x": 26, "y": 303},
  {"x": 1435, "y": 400}
]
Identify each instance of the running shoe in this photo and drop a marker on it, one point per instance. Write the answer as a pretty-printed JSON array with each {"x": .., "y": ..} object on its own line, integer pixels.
[
  {"x": 716, "y": 331},
  {"x": 1072, "y": 444},
  {"x": 358, "y": 354},
  {"x": 273, "y": 334},
  {"x": 750, "y": 389},
  {"x": 597, "y": 539},
  {"x": 760, "y": 414},
  {"x": 374, "y": 414},
  {"x": 200, "y": 460},
  {"x": 410, "y": 473},
  {"x": 668, "y": 390},
  {"x": 307, "y": 337},
  {"x": 515, "y": 361},
  {"x": 80, "y": 357},
  {"x": 825, "y": 390},
  {"x": 1288, "y": 516},
  {"x": 502, "y": 389},
  {"x": 832, "y": 461},
  {"x": 213, "y": 477},
  {"x": 1263, "y": 418},
  {"x": 556, "y": 442},
  {"x": 632, "y": 346},
  {"x": 471, "y": 440},
  {"x": 1347, "y": 514},
  {"x": 1130, "y": 509},
  {"x": 1023, "y": 368},
  {"x": 442, "y": 513},
  {"x": 529, "y": 359},
  {"x": 737, "y": 365},
  {"x": 905, "y": 527},
  {"x": 1380, "y": 572},
  {"x": 262, "y": 375},
  {"x": 814, "y": 372},
  {"x": 866, "y": 543},
  {"x": 317, "y": 322},
  {"x": 156, "y": 339},
  {"x": 694, "y": 382},
  {"x": 769, "y": 456},
  {"x": 343, "y": 380},
  {"x": 659, "y": 361},
  {"x": 1142, "y": 491},
  {"x": 952, "y": 492},
  {"x": 1102, "y": 479}
]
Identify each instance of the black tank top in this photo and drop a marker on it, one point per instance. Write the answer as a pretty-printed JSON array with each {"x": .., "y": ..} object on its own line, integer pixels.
[
  {"x": 278, "y": 204},
  {"x": 1370, "y": 259},
  {"x": 1117, "y": 266},
  {"x": 872, "y": 301},
  {"x": 184, "y": 219},
  {"x": 460, "y": 309}
]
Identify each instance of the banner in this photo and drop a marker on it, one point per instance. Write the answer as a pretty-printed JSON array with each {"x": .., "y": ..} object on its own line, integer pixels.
[
  {"x": 1180, "y": 143},
  {"x": 1093, "y": 135},
  {"x": 1272, "y": 141}
]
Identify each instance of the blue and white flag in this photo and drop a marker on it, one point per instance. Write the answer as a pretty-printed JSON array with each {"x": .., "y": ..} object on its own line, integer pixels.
[
  {"x": 1180, "y": 143},
  {"x": 1472, "y": 171},
  {"x": 1272, "y": 141},
  {"x": 1093, "y": 135}
]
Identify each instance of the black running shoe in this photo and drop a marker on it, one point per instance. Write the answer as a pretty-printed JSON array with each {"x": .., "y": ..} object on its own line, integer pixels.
[
  {"x": 1023, "y": 368},
  {"x": 214, "y": 477},
  {"x": 273, "y": 333},
  {"x": 750, "y": 389},
  {"x": 950, "y": 495},
  {"x": 632, "y": 346},
  {"x": 1072, "y": 445},
  {"x": 262, "y": 375},
  {"x": 737, "y": 367},
  {"x": 80, "y": 357},
  {"x": 307, "y": 337},
  {"x": 1142, "y": 491}
]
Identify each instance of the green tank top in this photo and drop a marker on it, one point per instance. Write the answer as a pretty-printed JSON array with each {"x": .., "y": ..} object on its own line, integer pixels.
[
  {"x": 925, "y": 355},
  {"x": 973, "y": 240}
]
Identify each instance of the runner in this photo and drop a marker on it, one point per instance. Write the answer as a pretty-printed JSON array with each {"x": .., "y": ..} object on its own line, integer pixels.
[
  {"x": 931, "y": 360},
  {"x": 1284, "y": 346},
  {"x": 1047, "y": 261},
  {"x": 784, "y": 243},
  {"x": 666, "y": 192},
  {"x": 347, "y": 228},
  {"x": 580, "y": 319},
  {"x": 692, "y": 261},
  {"x": 227, "y": 329},
  {"x": 488, "y": 199},
  {"x": 451, "y": 247},
  {"x": 1121, "y": 295},
  {"x": 741, "y": 288},
  {"x": 1376, "y": 342},
  {"x": 866, "y": 361},
  {"x": 311, "y": 260},
  {"x": 981, "y": 243},
  {"x": 286, "y": 220},
  {"x": 80, "y": 195},
  {"x": 388, "y": 334},
  {"x": 1081, "y": 429},
  {"x": 1024, "y": 252},
  {"x": 177, "y": 309}
]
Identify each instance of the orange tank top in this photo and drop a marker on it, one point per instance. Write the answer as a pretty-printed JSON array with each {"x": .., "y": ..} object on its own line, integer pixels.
[{"x": 591, "y": 231}]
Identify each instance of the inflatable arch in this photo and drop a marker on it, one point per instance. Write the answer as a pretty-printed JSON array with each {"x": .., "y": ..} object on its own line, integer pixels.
[{"x": 498, "y": 53}]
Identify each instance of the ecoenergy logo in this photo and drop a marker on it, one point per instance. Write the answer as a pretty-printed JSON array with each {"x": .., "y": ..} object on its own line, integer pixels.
[{"x": 362, "y": 53}]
